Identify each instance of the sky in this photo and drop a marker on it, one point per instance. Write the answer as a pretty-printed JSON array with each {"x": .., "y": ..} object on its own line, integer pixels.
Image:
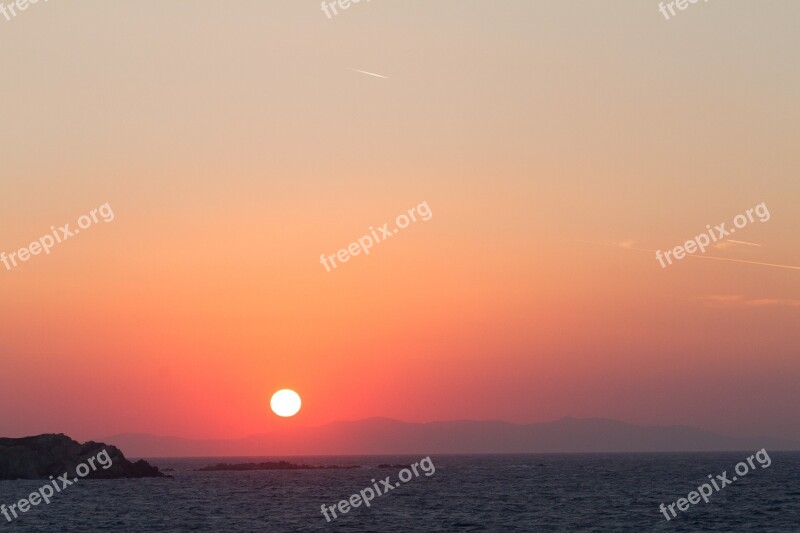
[{"x": 556, "y": 144}]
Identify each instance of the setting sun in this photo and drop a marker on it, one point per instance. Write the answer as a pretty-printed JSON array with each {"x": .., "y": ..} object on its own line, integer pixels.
[{"x": 285, "y": 402}]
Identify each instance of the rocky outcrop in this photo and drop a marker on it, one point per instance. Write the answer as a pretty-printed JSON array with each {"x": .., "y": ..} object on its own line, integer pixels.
[{"x": 48, "y": 455}]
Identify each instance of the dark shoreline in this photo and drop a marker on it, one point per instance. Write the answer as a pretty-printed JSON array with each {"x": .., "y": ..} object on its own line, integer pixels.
[{"x": 279, "y": 465}]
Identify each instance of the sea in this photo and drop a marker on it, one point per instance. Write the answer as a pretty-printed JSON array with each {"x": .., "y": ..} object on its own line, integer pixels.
[{"x": 498, "y": 493}]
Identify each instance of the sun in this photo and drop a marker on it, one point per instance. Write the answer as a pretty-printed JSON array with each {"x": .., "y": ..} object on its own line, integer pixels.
[{"x": 285, "y": 402}]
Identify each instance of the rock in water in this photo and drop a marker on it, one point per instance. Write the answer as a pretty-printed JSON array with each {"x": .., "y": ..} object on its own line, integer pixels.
[{"x": 53, "y": 454}]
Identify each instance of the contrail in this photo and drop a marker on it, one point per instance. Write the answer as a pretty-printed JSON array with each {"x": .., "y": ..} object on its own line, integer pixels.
[
  {"x": 744, "y": 261},
  {"x": 742, "y": 242},
  {"x": 695, "y": 256},
  {"x": 369, "y": 73}
]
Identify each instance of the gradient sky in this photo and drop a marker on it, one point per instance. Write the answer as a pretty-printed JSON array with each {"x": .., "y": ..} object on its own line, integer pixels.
[{"x": 235, "y": 145}]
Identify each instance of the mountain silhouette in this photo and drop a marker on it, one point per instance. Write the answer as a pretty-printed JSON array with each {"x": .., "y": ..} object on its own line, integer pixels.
[{"x": 382, "y": 436}]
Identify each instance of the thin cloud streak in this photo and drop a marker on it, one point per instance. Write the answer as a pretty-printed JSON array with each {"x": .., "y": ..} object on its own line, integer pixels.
[
  {"x": 625, "y": 247},
  {"x": 369, "y": 73},
  {"x": 722, "y": 300},
  {"x": 743, "y": 261}
]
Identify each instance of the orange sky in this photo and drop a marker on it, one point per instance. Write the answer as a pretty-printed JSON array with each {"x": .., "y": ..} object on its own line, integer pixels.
[{"x": 236, "y": 146}]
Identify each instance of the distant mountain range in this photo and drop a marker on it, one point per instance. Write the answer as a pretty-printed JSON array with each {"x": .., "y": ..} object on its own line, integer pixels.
[{"x": 381, "y": 436}]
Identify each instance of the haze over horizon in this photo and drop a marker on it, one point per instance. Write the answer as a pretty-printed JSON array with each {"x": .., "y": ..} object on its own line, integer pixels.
[{"x": 432, "y": 422}]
